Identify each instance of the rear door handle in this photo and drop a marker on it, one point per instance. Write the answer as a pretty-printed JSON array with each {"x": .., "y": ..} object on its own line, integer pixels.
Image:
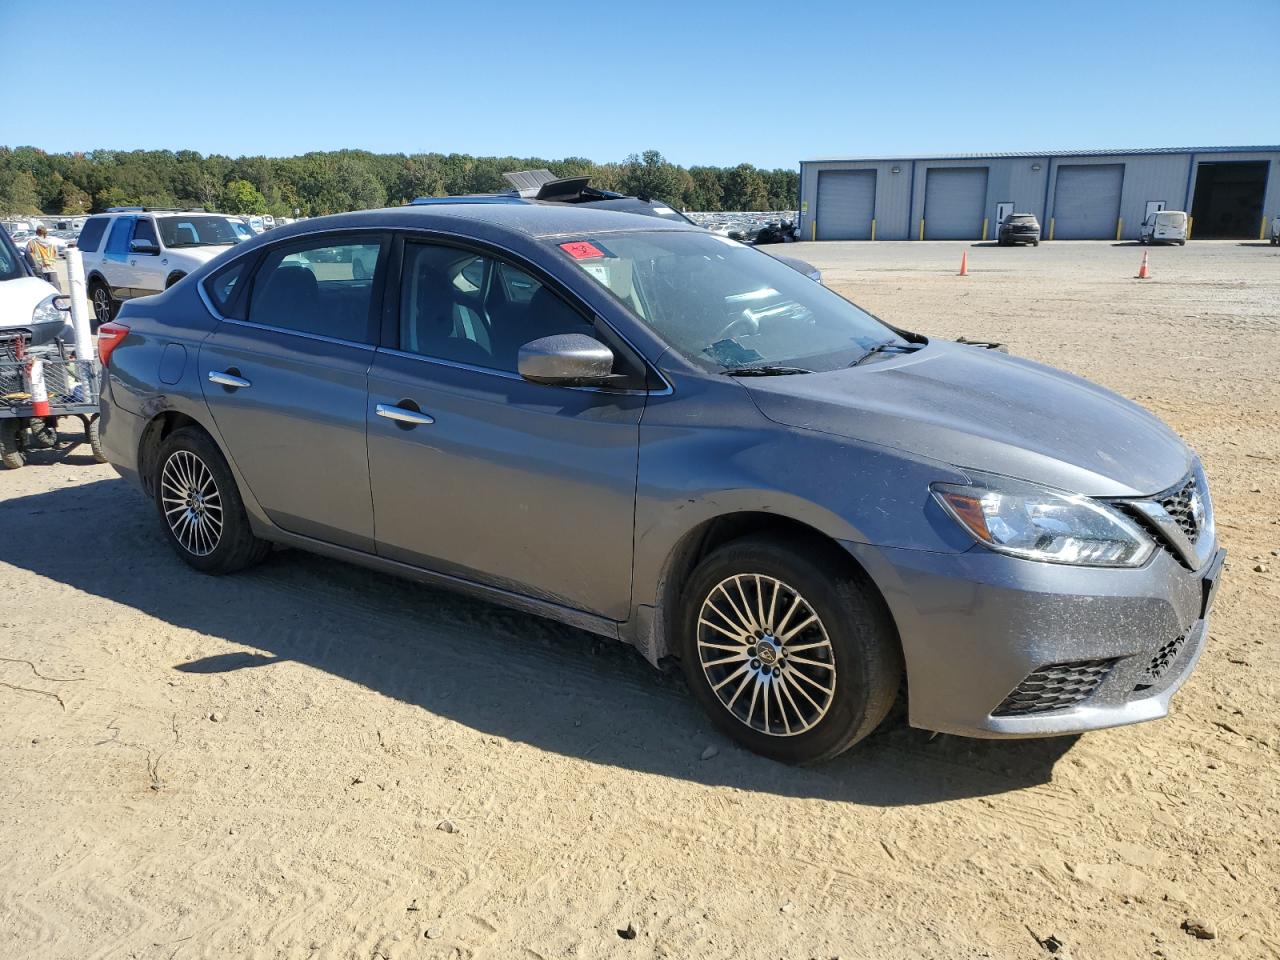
[
  {"x": 403, "y": 414},
  {"x": 228, "y": 380}
]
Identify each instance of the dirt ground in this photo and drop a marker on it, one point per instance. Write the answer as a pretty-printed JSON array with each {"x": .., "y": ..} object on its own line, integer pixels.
[{"x": 313, "y": 761}]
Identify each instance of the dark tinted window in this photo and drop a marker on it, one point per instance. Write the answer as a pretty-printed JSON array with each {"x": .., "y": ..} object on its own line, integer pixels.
[
  {"x": 144, "y": 229},
  {"x": 198, "y": 231},
  {"x": 457, "y": 306},
  {"x": 222, "y": 287},
  {"x": 10, "y": 260},
  {"x": 324, "y": 289},
  {"x": 92, "y": 233}
]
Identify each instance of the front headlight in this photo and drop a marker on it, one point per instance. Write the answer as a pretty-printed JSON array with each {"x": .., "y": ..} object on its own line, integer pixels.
[
  {"x": 1038, "y": 524},
  {"x": 46, "y": 311}
]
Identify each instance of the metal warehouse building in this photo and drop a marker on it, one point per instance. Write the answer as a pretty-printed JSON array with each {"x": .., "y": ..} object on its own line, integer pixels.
[{"x": 1230, "y": 192}]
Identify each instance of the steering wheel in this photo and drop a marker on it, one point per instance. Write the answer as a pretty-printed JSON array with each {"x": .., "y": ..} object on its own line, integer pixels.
[{"x": 746, "y": 324}]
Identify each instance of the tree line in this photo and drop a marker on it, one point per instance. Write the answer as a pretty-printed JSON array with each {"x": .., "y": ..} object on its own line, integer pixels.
[{"x": 33, "y": 181}]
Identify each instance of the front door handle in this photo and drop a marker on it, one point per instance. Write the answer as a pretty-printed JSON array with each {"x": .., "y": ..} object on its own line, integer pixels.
[
  {"x": 403, "y": 415},
  {"x": 228, "y": 380}
]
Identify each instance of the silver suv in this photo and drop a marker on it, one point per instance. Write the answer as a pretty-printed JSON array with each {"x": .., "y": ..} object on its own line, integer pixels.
[{"x": 135, "y": 252}]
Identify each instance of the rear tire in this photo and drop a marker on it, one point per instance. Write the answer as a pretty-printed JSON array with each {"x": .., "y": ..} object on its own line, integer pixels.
[
  {"x": 774, "y": 624},
  {"x": 104, "y": 306},
  {"x": 200, "y": 506},
  {"x": 12, "y": 454}
]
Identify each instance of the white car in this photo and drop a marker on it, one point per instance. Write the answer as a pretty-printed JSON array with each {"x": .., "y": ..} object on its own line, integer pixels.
[
  {"x": 1167, "y": 226},
  {"x": 132, "y": 252},
  {"x": 25, "y": 300}
]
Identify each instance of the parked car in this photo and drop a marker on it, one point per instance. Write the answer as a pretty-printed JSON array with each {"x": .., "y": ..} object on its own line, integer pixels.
[
  {"x": 131, "y": 252},
  {"x": 668, "y": 438},
  {"x": 1167, "y": 226},
  {"x": 26, "y": 301},
  {"x": 1019, "y": 228},
  {"x": 1275, "y": 230}
]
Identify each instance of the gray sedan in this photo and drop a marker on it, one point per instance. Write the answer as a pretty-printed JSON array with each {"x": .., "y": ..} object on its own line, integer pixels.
[{"x": 671, "y": 439}]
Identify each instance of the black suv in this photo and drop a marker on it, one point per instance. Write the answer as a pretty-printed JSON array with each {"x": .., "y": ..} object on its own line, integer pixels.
[{"x": 1019, "y": 228}]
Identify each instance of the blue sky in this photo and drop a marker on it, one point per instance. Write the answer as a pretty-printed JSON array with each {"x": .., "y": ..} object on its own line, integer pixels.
[{"x": 720, "y": 83}]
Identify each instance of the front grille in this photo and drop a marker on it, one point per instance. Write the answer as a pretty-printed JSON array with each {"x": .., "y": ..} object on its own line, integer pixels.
[
  {"x": 1177, "y": 503},
  {"x": 1161, "y": 661},
  {"x": 1055, "y": 687}
]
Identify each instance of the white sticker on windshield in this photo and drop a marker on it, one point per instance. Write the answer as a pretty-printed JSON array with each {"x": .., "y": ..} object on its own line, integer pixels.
[{"x": 664, "y": 211}]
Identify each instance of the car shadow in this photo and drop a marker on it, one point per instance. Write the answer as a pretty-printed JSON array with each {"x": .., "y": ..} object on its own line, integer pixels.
[{"x": 494, "y": 670}]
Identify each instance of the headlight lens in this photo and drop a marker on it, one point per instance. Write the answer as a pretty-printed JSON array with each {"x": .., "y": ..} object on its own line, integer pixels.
[
  {"x": 46, "y": 311},
  {"x": 1038, "y": 524}
]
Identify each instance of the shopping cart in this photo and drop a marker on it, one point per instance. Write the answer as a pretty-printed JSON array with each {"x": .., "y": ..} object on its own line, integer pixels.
[{"x": 40, "y": 383}]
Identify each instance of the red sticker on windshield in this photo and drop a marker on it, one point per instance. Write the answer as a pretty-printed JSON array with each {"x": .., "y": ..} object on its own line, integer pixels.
[{"x": 582, "y": 250}]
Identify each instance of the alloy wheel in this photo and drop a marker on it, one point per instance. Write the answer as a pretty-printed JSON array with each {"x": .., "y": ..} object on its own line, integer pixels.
[
  {"x": 101, "y": 305},
  {"x": 191, "y": 502},
  {"x": 766, "y": 655}
]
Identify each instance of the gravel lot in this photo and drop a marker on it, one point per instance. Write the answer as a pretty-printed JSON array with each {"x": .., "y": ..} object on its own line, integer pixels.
[{"x": 313, "y": 761}]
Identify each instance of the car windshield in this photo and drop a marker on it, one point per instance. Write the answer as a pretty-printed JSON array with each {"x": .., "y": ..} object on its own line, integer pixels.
[
  {"x": 10, "y": 266},
  {"x": 201, "y": 231},
  {"x": 726, "y": 306}
]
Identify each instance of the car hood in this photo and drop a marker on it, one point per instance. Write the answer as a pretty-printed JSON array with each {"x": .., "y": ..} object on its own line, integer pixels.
[
  {"x": 795, "y": 263},
  {"x": 19, "y": 297},
  {"x": 977, "y": 408},
  {"x": 196, "y": 255}
]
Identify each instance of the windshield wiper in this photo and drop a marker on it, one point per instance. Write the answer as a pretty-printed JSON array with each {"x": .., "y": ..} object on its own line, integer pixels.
[
  {"x": 885, "y": 348},
  {"x": 764, "y": 370}
]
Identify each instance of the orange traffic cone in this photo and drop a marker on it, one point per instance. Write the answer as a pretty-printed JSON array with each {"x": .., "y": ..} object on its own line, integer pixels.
[
  {"x": 39, "y": 392},
  {"x": 964, "y": 263},
  {"x": 1143, "y": 272}
]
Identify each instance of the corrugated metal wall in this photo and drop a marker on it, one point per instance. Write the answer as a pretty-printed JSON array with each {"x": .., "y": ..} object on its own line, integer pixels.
[{"x": 1029, "y": 184}]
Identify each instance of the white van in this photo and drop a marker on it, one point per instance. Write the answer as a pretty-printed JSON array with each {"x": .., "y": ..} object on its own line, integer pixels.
[{"x": 1167, "y": 226}]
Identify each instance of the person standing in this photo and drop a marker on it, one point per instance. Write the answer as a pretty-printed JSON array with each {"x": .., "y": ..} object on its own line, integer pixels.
[{"x": 43, "y": 256}]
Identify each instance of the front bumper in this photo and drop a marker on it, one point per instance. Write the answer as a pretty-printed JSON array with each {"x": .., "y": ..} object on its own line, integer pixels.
[{"x": 974, "y": 626}]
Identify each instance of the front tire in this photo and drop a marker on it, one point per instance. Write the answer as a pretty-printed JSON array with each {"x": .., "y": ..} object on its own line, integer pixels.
[
  {"x": 13, "y": 454},
  {"x": 200, "y": 506},
  {"x": 790, "y": 653}
]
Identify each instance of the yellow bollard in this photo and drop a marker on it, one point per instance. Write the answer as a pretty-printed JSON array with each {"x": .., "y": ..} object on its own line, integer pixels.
[
  {"x": 1190, "y": 223},
  {"x": 1262, "y": 230},
  {"x": 922, "y": 228},
  {"x": 1119, "y": 227},
  {"x": 984, "y": 228},
  {"x": 1051, "y": 228},
  {"x": 873, "y": 228},
  {"x": 813, "y": 230}
]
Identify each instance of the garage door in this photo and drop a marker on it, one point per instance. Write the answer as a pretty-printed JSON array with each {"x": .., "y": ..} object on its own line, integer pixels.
[
  {"x": 954, "y": 198},
  {"x": 1086, "y": 202},
  {"x": 846, "y": 204}
]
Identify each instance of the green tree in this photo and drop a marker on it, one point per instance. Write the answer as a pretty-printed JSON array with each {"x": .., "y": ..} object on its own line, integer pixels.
[
  {"x": 650, "y": 175},
  {"x": 19, "y": 194},
  {"x": 73, "y": 199},
  {"x": 240, "y": 196},
  {"x": 744, "y": 189}
]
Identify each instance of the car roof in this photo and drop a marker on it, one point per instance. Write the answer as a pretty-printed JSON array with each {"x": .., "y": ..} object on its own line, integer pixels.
[{"x": 534, "y": 219}]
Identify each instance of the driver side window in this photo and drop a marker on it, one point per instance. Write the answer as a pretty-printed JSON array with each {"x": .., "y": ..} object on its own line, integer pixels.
[
  {"x": 473, "y": 309},
  {"x": 145, "y": 230}
]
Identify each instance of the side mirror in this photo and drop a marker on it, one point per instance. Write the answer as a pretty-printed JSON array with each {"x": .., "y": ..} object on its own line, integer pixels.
[
  {"x": 143, "y": 246},
  {"x": 567, "y": 360}
]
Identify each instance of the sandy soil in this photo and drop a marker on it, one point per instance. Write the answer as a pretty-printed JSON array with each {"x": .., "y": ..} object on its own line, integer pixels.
[{"x": 311, "y": 761}]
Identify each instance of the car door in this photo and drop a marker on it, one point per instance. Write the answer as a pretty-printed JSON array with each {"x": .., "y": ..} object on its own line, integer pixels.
[
  {"x": 147, "y": 273},
  {"x": 285, "y": 378},
  {"x": 115, "y": 258},
  {"x": 526, "y": 487}
]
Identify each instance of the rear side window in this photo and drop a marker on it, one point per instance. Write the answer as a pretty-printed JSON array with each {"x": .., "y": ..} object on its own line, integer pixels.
[
  {"x": 223, "y": 286},
  {"x": 91, "y": 236},
  {"x": 324, "y": 288},
  {"x": 118, "y": 239}
]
